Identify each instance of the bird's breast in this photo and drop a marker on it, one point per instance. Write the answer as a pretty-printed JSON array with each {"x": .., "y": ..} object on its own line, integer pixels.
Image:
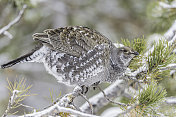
[{"x": 83, "y": 70}]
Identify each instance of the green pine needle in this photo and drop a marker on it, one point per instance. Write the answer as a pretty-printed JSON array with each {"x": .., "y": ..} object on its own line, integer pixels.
[
  {"x": 22, "y": 92},
  {"x": 161, "y": 56},
  {"x": 151, "y": 95},
  {"x": 53, "y": 95},
  {"x": 138, "y": 44}
]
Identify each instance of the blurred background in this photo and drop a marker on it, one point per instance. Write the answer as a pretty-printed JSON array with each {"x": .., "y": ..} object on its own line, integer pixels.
[{"x": 116, "y": 19}]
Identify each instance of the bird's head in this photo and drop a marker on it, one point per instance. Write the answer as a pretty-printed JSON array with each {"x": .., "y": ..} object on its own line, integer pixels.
[{"x": 123, "y": 55}]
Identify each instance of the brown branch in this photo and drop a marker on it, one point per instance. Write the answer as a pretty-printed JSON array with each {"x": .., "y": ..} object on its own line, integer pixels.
[{"x": 99, "y": 100}]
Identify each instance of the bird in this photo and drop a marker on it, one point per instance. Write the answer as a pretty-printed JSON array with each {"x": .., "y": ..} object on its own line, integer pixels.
[{"x": 78, "y": 55}]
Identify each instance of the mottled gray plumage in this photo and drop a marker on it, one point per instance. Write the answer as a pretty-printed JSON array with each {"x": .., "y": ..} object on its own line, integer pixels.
[{"x": 78, "y": 55}]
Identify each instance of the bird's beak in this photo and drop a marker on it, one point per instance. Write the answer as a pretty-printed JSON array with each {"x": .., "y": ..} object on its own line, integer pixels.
[{"x": 135, "y": 53}]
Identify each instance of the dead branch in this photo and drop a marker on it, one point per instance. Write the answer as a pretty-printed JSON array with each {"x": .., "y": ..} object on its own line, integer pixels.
[{"x": 17, "y": 19}]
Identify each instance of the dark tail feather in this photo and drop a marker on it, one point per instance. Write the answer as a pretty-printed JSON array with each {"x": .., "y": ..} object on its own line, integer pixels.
[{"x": 21, "y": 59}]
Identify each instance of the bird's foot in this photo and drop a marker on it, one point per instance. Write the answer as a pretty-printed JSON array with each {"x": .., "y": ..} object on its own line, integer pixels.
[{"x": 80, "y": 91}]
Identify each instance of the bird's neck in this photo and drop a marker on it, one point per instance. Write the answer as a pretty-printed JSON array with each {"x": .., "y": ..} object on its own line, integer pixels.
[
  {"x": 117, "y": 62},
  {"x": 115, "y": 72},
  {"x": 118, "y": 66}
]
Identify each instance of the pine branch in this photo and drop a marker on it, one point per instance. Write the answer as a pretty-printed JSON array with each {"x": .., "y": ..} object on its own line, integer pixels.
[
  {"x": 19, "y": 92},
  {"x": 170, "y": 36},
  {"x": 62, "y": 105},
  {"x": 95, "y": 100},
  {"x": 11, "y": 102}
]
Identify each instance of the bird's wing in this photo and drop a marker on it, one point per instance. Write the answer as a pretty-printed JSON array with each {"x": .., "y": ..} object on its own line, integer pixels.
[
  {"x": 75, "y": 41},
  {"x": 90, "y": 48}
]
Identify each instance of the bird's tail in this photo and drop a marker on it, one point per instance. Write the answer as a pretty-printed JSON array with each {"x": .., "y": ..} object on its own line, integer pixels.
[{"x": 25, "y": 58}]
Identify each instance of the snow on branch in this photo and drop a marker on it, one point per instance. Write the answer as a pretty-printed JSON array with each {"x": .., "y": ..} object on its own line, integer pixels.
[
  {"x": 171, "y": 66},
  {"x": 170, "y": 100},
  {"x": 167, "y": 6},
  {"x": 11, "y": 102},
  {"x": 63, "y": 105},
  {"x": 170, "y": 36},
  {"x": 171, "y": 32},
  {"x": 17, "y": 19},
  {"x": 55, "y": 109}
]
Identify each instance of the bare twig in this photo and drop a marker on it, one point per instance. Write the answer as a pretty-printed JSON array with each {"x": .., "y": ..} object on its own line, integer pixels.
[
  {"x": 27, "y": 106},
  {"x": 99, "y": 100},
  {"x": 128, "y": 110},
  {"x": 5, "y": 28},
  {"x": 9, "y": 35},
  {"x": 91, "y": 107},
  {"x": 118, "y": 103}
]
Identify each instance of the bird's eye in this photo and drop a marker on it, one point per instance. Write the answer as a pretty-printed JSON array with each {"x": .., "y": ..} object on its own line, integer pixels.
[{"x": 125, "y": 51}]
